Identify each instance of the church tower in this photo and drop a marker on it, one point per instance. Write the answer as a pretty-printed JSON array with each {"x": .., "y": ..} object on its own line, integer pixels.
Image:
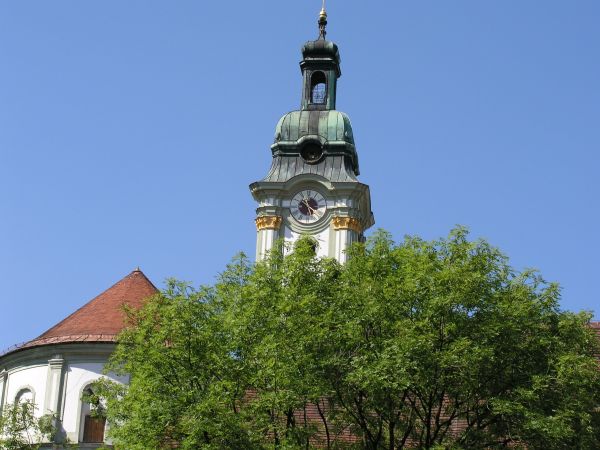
[{"x": 312, "y": 186}]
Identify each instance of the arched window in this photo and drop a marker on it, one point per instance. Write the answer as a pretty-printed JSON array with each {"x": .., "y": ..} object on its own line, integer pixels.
[
  {"x": 309, "y": 242},
  {"x": 91, "y": 417},
  {"x": 318, "y": 88},
  {"x": 24, "y": 395}
]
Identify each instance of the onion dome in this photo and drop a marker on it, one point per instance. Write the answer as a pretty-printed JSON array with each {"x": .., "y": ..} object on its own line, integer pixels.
[
  {"x": 322, "y": 49},
  {"x": 329, "y": 126},
  {"x": 330, "y": 130}
]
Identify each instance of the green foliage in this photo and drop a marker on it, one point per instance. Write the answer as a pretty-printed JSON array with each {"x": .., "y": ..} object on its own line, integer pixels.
[
  {"x": 98, "y": 409},
  {"x": 437, "y": 345},
  {"x": 182, "y": 386},
  {"x": 20, "y": 429}
]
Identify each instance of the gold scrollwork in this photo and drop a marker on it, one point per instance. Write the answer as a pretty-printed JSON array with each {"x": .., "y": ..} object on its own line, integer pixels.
[
  {"x": 346, "y": 223},
  {"x": 268, "y": 222}
]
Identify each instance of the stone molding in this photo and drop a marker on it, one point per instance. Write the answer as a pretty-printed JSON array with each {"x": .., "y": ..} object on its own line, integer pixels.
[
  {"x": 268, "y": 222},
  {"x": 346, "y": 223}
]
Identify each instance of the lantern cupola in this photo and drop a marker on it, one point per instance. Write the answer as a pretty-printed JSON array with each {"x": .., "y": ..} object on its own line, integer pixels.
[{"x": 320, "y": 70}]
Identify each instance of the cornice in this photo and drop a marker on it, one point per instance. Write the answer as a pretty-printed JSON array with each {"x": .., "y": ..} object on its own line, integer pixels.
[{"x": 71, "y": 352}]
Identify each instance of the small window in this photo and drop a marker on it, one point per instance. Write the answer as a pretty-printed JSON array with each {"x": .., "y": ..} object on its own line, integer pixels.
[{"x": 318, "y": 88}]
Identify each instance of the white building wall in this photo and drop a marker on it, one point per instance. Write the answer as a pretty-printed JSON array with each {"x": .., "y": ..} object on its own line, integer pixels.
[
  {"x": 79, "y": 376},
  {"x": 32, "y": 377}
]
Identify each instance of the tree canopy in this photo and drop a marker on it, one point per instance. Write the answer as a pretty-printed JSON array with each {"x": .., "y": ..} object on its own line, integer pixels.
[{"x": 428, "y": 344}]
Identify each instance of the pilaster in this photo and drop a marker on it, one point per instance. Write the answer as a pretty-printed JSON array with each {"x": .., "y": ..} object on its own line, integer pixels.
[
  {"x": 347, "y": 231},
  {"x": 3, "y": 388},
  {"x": 267, "y": 228},
  {"x": 53, "y": 400}
]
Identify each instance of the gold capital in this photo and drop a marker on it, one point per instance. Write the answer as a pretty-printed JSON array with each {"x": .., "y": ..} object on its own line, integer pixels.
[
  {"x": 346, "y": 223},
  {"x": 268, "y": 222}
]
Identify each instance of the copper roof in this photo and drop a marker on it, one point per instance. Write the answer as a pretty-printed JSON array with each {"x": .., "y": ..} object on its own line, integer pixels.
[{"x": 102, "y": 318}]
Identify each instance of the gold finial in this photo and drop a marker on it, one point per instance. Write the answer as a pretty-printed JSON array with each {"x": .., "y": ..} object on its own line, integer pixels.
[
  {"x": 323, "y": 12},
  {"x": 322, "y": 22}
]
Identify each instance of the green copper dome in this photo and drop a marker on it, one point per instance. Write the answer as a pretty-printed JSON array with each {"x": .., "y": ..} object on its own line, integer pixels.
[
  {"x": 331, "y": 129},
  {"x": 322, "y": 49},
  {"x": 330, "y": 126}
]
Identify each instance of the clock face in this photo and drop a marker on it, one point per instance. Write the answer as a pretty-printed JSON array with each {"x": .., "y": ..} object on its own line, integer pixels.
[{"x": 308, "y": 206}]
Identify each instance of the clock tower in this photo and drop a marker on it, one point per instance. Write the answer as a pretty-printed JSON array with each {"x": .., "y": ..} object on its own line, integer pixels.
[{"x": 312, "y": 186}]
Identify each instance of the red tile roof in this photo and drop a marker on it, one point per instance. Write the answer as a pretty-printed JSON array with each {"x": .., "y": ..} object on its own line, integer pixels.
[
  {"x": 104, "y": 314},
  {"x": 102, "y": 318}
]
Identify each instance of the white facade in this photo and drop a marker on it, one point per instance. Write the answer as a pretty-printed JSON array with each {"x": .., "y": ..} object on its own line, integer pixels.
[
  {"x": 32, "y": 378},
  {"x": 55, "y": 381}
]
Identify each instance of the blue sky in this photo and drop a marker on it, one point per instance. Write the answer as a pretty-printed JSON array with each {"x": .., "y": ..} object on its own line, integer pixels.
[{"x": 129, "y": 132}]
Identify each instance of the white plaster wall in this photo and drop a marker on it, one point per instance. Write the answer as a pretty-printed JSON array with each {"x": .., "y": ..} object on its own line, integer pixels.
[
  {"x": 31, "y": 376},
  {"x": 79, "y": 375},
  {"x": 323, "y": 240}
]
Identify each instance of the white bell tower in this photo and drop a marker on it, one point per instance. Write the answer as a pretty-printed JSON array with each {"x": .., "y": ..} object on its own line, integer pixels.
[{"x": 312, "y": 186}]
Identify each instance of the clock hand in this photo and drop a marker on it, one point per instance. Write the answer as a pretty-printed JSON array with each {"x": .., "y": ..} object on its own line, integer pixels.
[
  {"x": 303, "y": 204},
  {"x": 311, "y": 211},
  {"x": 310, "y": 208}
]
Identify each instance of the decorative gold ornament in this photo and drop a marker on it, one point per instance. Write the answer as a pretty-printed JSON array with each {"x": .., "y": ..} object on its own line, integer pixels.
[
  {"x": 323, "y": 12},
  {"x": 268, "y": 222},
  {"x": 322, "y": 22},
  {"x": 346, "y": 223}
]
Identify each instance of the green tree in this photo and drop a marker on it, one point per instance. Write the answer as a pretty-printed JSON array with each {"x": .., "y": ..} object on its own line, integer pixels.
[
  {"x": 427, "y": 344},
  {"x": 20, "y": 429},
  {"x": 183, "y": 385},
  {"x": 443, "y": 344}
]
